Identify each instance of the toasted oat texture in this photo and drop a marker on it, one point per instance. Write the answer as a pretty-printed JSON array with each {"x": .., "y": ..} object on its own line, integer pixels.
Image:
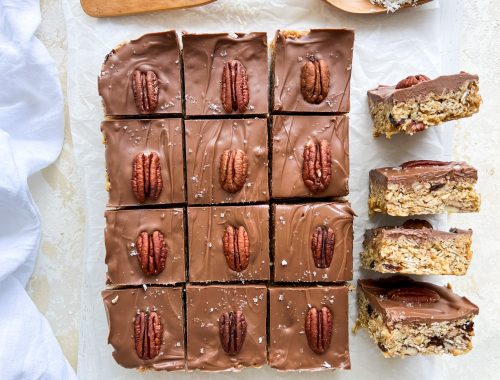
[
  {"x": 415, "y": 115},
  {"x": 420, "y": 199},
  {"x": 398, "y": 339},
  {"x": 423, "y": 251}
]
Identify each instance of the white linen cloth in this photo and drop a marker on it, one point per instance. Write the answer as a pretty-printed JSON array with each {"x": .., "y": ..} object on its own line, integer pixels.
[{"x": 31, "y": 137}]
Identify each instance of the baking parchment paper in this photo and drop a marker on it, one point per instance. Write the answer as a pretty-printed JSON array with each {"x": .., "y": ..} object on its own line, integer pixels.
[{"x": 387, "y": 48}]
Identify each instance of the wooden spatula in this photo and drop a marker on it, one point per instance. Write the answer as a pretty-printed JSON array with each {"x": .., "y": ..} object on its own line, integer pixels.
[
  {"x": 109, "y": 8},
  {"x": 362, "y": 6}
]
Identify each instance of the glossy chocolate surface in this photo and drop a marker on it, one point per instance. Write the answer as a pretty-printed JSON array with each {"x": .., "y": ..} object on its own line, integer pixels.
[
  {"x": 292, "y": 49},
  {"x": 437, "y": 174},
  {"x": 204, "y": 59},
  {"x": 288, "y": 346},
  {"x": 204, "y": 306},
  {"x": 121, "y": 308},
  {"x": 290, "y": 135},
  {"x": 206, "y": 230},
  {"x": 436, "y": 86},
  {"x": 294, "y": 226},
  {"x": 158, "y": 52},
  {"x": 125, "y": 139},
  {"x": 206, "y": 141},
  {"x": 122, "y": 229},
  {"x": 449, "y": 307}
]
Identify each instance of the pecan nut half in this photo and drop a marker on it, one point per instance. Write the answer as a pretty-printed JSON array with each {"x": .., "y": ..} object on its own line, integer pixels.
[
  {"x": 422, "y": 163},
  {"x": 233, "y": 170},
  {"x": 235, "y": 93},
  {"x": 315, "y": 80},
  {"x": 148, "y": 334},
  {"x": 146, "y": 176},
  {"x": 236, "y": 247},
  {"x": 322, "y": 245},
  {"x": 417, "y": 224},
  {"x": 414, "y": 294},
  {"x": 145, "y": 87},
  {"x": 317, "y": 166},
  {"x": 232, "y": 331},
  {"x": 411, "y": 81},
  {"x": 319, "y": 327},
  {"x": 152, "y": 252}
]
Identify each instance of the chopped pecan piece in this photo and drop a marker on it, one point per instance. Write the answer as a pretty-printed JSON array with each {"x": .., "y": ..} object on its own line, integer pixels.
[
  {"x": 232, "y": 331},
  {"x": 236, "y": 248},
  {"x": 233, "y": 170},
  {"x": 146, "y": 177},
  {"x": 319, "y": 327},
  {"x": 417, "y": 224},
  {"x": 414, "y": 295},
  {"x": 317, "y": 166},
  {"x": 315, "y": 80},
  {"x": 411, "y": 81},
  {"x": 145, "y": 87},
  {"x": 148, "y": 334},
  {"x": 151, "y": 252},
  {"x": 422, "y": 163},
  {"x": 235, "y": 93},
  {"x": 322, "y": 245}
]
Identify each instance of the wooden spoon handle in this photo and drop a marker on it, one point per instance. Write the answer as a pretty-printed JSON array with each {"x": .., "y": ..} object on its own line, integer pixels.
[{"x": 109, "y": 8}]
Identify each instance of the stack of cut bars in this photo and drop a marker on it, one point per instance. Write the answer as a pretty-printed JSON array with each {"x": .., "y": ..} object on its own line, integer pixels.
[
  {"x": 226, "y": 210},
  {"x": 403, "y": 316}
]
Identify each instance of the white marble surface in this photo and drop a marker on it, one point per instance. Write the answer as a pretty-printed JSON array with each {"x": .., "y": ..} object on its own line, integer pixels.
[{"x": 55, "y": 286}]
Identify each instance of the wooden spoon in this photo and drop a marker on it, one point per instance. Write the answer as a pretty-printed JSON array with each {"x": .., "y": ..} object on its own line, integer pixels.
[
  {"x": 363, "y": 6},
  {"x": 109, "y": 8}
]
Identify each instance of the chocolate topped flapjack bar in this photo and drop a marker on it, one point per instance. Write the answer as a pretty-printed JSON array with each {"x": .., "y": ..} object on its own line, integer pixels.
[
  {"x": 423, "y": 187},
  {"x": 417, "y": 102},
  {"x": 417, "y": 248},
  {"x": 405, "y": 317},
  {"x": 226, "y": 74},
  {"x": 312, "y": 70},
  {"x": 146, "y": 327},
  {"x": 143, "y": 77}
]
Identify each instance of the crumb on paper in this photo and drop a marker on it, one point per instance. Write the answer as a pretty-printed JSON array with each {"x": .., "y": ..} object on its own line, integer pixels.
[{"x": 393, "y": 5}]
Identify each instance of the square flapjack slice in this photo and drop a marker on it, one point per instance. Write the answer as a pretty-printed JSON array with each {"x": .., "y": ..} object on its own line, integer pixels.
[
  {"x": 416, "y": 248},
  {"x": 226, "y": 327},
  {"x": 144, "y": 162},
  {"x": 417, "y": 103},
  {"x": 308, "y": 328},
  {"x": 143, "y": 77},
  {"x": 311, "y": 71},
  {"x": 145, "y": 246},
  {"x": 406, "y": 317},
  {"x": 423, "y": 187},
  {"x": 310, "y": 156},
  {"x": 146, "y": 327}
]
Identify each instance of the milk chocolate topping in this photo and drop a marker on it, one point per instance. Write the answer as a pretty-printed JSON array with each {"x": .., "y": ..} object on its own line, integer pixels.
[
  {"x": 122, "y": 229},
  {"x": 424, "y": 234},
  {"x": 122, "y": 307},
  {"x": 125, "y": 139},
  {"x": 204, "y": 58},
  {"x": 157, "y": 52},
  {"x": 291, "y": 52},
  {"x": 206, "y": 141},
  {"x": 437, "y": 174},
  {"x": 206, "y": 231},
  {"x": 449, "y": 307},
  {"x": 437, "y": 86},
  {"x": 290, "y": 135},
  {"x": 288, "y": 347},
  {"x": 204, "y": 305},
  {"x": 294, "y": 226}
]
